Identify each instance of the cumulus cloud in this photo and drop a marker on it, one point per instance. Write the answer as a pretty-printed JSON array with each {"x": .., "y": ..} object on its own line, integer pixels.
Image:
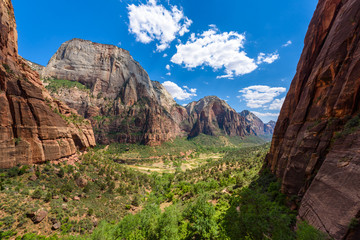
[
  {"x": 267, "y": 58},
  {"x": 218, "y": 50},
  {"x": 288, "y": 43},
  {"x": 259, "y": 95},
  {"x": 167, "y": 67},
  {"x": 152, "y": 21},
  {"x": 277, "y": 104},
  {"x": 178, "y": 92},
  {"x": 165, "y": 55}
]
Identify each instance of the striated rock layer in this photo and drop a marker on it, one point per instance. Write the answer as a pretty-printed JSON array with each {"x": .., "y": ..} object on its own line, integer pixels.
[
  {"x": 213, "y": 116},
  {"x": 315, "y": 148},
  {"x": 34, "y": 128},
  {"x": 122, "y": 102}
]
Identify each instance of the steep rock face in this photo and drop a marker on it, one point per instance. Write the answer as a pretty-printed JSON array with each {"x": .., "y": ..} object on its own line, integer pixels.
[
  {"x": 269, "y": 127},
  {"x": 315, "y": 147},
  {"x": 122, "y": 102},
  {"x": 255, "y": 126},
  {"x": 33, "y": 127},
  {"x": 213, "y": 116}
]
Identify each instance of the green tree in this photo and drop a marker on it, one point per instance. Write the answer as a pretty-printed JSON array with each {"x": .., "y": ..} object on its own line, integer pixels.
[
  {"x": 201, "y": 216},
  {"x": 169, "y": 224}
]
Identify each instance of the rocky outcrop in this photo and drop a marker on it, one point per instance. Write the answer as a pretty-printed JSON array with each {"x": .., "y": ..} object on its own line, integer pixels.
[
  {"x": 315, "y": 147},
  {"x": 122, "y": 102},
  {"x": 34, "y": 128},
  {"x": 213, "y": 116},
  {"x": 255, "y": 126}
]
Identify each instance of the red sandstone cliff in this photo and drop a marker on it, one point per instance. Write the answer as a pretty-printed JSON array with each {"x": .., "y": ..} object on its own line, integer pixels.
[
  {"x": 316, "y": 144},
  {"x": 34, "y": 128},
  {"x": 213, "y": 116}
]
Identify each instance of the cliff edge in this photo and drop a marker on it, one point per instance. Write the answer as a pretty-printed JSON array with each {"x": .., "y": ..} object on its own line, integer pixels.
[{"x": 34, "y": 127}]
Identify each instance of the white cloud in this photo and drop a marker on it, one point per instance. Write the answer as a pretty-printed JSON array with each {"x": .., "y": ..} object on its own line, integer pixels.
[
  {"x": 288, "y": 43},
  {"x": 192, "y": 90},
  {"x": 168, "y": 74},
  {"x": 266, "y": 114},
  {"x": 277, "y": 104},
  {"x": 167, "y": 67},
  {"x": 165, "y": 55},
  {"x": 178, "y": 92},
  {"x": 150, "y": 22},
  {"x": 267, "y": 58},
  {"x": 259, "y": 95},
  {"x": 218, "y": 50}
]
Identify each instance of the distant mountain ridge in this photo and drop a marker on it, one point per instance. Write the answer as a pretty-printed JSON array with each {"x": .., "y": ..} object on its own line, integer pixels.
[
  {"x": 213, "y": 116},
  {"x": 256, "y": 126},
  {"x": 124, "y": 105}
]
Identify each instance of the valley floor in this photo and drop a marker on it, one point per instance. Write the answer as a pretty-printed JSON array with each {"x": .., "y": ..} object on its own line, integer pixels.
[{"x": 203, "y": 188}]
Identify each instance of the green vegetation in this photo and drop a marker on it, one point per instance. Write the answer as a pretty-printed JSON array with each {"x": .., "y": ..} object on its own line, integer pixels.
[
  {"x": 70, "y": 118},
  {"x": 352, "y": 125},
  {"x": 308, "y": 232},
  {"x": 53, "y": 85},
  {"x": 73, "y": 118},
  {"x": 7, "y": 68},
  {"x": 17, "y": 140},
  {"x": 179, "y": 146},
  {"x": 203, "y": 188}
]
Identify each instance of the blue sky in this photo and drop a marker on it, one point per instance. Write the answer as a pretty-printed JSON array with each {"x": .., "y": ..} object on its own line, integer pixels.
[{"x": 244, "y": 52}]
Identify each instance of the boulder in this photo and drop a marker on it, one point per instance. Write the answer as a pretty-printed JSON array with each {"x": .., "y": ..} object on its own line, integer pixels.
[
  {"x": 37, "y": 216},
  {"x": 81, "y": 182}
]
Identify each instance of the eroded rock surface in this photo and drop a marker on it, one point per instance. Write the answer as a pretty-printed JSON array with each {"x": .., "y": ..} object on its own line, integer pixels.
[
  {"x": 122, "y": 102},
  {"x": 315, "y": 147},
  {"x": 213, "y": 116},
  {"x": 34, "y": 128}
]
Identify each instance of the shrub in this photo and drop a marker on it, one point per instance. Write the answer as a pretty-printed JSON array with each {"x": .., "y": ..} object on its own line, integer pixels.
[
  {"x": 308, "y": 232},
  {"x": 66, "y": 188},
  {"x": 353, "y": 223},
  {"x": 48, "y": 197},
  {"x": 37, "y": 194},
  {"x": 90, "y": 212},
  {"x": 13, "y": 172},
  {"x": 136, "y": 201},
  {"x": 61, "y": 173}
]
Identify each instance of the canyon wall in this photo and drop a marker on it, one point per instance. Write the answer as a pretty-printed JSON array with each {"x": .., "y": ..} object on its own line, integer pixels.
[
  {"x": 34, "y": 127},
  {"x": 315, "y": 149}
]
